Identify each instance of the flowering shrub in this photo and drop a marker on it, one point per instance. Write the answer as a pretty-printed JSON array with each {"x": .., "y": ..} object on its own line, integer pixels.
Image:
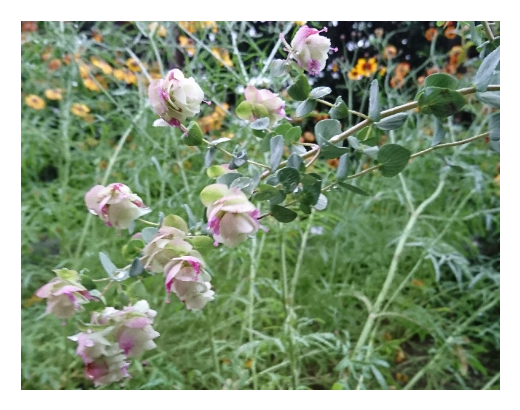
[{"x": 285, "y": 188}]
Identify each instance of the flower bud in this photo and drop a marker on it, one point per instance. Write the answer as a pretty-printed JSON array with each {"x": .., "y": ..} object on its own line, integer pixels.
[
  {"x": 175, "y": 98},
  {"x": 231, "y": 217},
  {"x": 260, "y": 104},
  {"x": 64, "y": 294},
  {"x": 115, "y": 204}
]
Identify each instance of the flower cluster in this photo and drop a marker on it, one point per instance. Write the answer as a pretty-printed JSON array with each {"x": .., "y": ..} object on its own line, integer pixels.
[
  {"x": 168, "y": 252},
  {"x": 64, "y": 294},
  {"x": 175, "y": 98},
  {"x": 114, "y": 336},
  {"x": 231, "y": 217},
  {"x": 115, "y": 204}
]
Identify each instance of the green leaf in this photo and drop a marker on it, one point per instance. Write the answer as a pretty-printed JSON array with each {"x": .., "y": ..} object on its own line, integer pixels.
[
  {"x": 107, "y": 264},
  {"x": 265, "y": 191},
  {"x": 259, "y": 133},
  {"x": 311, "y": 184},
  {"x": 327, "y": 128},
  {"x": 342, "y": 170},
  {"x": 374, "y": 108},
  {"x": 191, "y": 218},
  {"x": 296, "y": 162},
  {"x": 132, "y": 249},
  {"x": 260, "y": 124},
  {"x": 441, "y": 80},
  {"x": 392, "y": 122},
  {"x": 136, "y": 268},
  {"x": 486, "y": 70},
  {"x": 353, "y": 188},
  {"x": 87, "y": 282},
  {"x": 290, "y": 178},
  {"x": 137, "y": 290},
  {"x": 293, "y": 135},
  {"x": 283, "y": 214},
  {"x": 379, "y": 377},
  {"x": 239, "y": 159},
  {"x": 282, "y": 129},
  {"x": 494, "y": 127},
  {"x": 299, "y": 91},
  {"x": 319, "y": 92},
  {"x": 491, "y": 98},
  {"x": 67, "y": 274},
  {"x": 175, "y": 221},
  {"x": 337, "y": 386},
  {"x": 494, "y": 145},
  {"x": 201, "y": 243},
  {"x": 194, "y": 136},
  {"x": 215, "y": 171},
  {"x": 393, "y": 158},
  {"x": 340, "y": 110},
  {"x": 441, "y": 102},
  {"x": 97, "y": 294},
  {"x": 148, "y": 234},
  {"x": 277, "y": 145},
  {"x": 278, "y": 198},
  {"x": 439, "y": 133},
  {"x": 244, "y": 110},
  {"x": 322, "y": 202},
  {"x": 208, "y": 158},
  {"x": 305, "y": 108},
  {"x": 328, "y": 150},
  {"x": 278, "y": 67},
  {"x": 245, "y": 184},
  {"x": 370, "y": 151},
  {"x": 228, "y": 178}
]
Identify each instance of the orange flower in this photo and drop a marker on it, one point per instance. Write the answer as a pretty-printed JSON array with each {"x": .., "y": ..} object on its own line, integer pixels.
[
  {"x": 402, "y": 69},
  {"x": 354, "y": 74},
  {"x": 420, "y": 80},
  {"x": 102, "y": 65},
  {"x": 389, "y": 52},
  {"x": 35, "y": 102},
  {"x": 308, "y": 136},
  {"x": 366, "y": 67},
  {"x": 81, "y": 110},
  {"x": 431, "y": 33},
  {"x": 432, "y": 70},
  {"x": 457, "y": 55},
  {"x": 66, "y": 59},
  {"x": 29, "y": 26},
  {"x": 450, "y": 32},
  {"x": 449, "y": 69},
  {"x": 53, "y": 94},
  {"x": 96, "y": 36},
  {"x": 396, "y": 82},
  {"x": 133, "y": 65},
  {"x": 333, "y": 163},
  {"x": 54, "y": 64}
]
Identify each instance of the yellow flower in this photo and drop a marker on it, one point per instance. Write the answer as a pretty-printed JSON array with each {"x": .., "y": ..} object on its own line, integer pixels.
[
  {"x": 161, "y": 30},
  {"x": 366, "y": 67},
  {"x": 382, "y": 71},
  {"x": 90, "y": 84},
  {"x": 119, "y": 74},
  {"x": 193, "y": 26},
  {"x": 187, "y": 43},
  {"x": 299, "y": 23},
  {"x": 354, "y": 74},
  {"x": 35, "y": 102},
  {"x": 53, "y": 94},
  {"x": 102, "y": 65},
  {"x": 96, "y": 36},
  {"x": 125, "y": 75},
  {"x": 133, "y": 65},
  {"x": 223, "y": 55},
  {"x": 83, "y": 71},
  {"x": 81, "y": 110}
]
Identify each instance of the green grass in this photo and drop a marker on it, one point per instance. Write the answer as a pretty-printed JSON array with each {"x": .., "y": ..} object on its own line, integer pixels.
[{"x": 290, "y": 304}]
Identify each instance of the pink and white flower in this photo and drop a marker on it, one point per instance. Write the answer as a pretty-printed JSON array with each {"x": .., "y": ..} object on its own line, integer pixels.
[
  {"x": 231, "y": 217},
  {"x": 64, "y": 294},
  {"x": 309, "y": 49},
  {"x": 187, "y": 279},
  {"x": 175, "y": 98},
  {"x": 115, "y": 204}
]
